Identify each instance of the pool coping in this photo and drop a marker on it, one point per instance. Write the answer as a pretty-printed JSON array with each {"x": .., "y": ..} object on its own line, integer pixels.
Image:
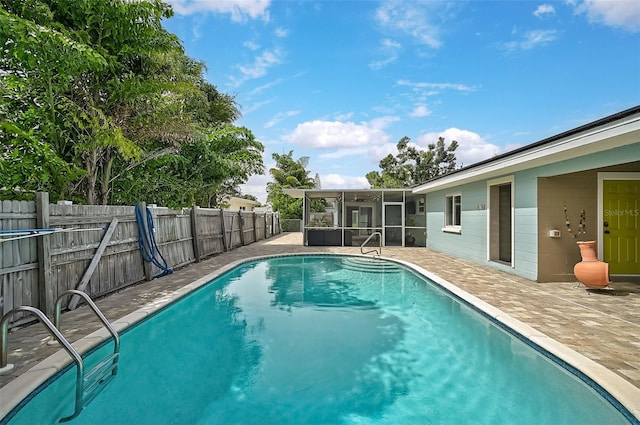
[{"x": 627, "y": 395}]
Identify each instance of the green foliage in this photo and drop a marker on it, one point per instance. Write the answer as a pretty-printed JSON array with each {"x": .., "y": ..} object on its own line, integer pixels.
[
  {"x": 38, "y": 64},
  {"x": 94, "y": 89},
  {"x": 413, "y": 166},
  {"x": 289, "y": 173},
  {"x": 201, "y": 172},
  {"x": 27, "y": 166}
]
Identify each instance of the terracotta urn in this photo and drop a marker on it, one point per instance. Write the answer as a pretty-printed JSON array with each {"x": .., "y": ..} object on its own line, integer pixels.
[{"x": 593, "y": 273}]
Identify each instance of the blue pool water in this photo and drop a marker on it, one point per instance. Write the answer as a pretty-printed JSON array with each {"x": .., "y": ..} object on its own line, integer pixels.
[{"x": 309, "y": 340}]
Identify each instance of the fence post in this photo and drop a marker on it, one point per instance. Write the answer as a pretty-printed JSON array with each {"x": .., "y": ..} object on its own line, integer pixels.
[
  {"x": 241, "y": 228},
  {"x": 224, "y": 232},
  {"x": 194, "y": 232},
  {"x": 266, "y": 227},
  {"x": 46, "y": 292},
  {"x": 255, "y": 229},
  {"x": 273, "y": 224}
]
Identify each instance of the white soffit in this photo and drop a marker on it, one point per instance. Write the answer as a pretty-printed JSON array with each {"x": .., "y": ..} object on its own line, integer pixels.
[
  {"x": 294, "y": 193},
  {"x": 595, "y": 140}
]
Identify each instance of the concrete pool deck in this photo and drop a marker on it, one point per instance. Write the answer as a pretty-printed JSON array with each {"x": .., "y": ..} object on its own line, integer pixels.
[{"x": 603, "y": 326}]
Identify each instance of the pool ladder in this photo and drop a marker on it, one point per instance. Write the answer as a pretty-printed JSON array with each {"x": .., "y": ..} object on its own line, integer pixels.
[
  {"x": 378, "y": 253},
  {"x": 88, "y": 384}
]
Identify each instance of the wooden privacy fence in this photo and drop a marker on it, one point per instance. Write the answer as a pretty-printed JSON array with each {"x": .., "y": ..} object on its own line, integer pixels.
[{"x": 96, "y": 248}]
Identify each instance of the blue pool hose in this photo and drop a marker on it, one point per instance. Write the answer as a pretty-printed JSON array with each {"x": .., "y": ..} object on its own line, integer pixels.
[{"x": 147, "y": 243}]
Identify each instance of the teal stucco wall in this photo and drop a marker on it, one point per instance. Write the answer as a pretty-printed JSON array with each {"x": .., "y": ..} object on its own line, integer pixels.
[{"x": 471, "y": 243}]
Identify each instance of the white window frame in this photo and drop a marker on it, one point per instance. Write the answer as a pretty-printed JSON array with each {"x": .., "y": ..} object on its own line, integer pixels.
[
  {"x": 450, "y": 213},
  {"x": 421, "y": 208}
]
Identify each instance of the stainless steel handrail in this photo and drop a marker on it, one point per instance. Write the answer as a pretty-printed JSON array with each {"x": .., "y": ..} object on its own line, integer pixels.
[
  {"x": 373, "y": 250},
  {"x": 77, "y": 358},
  {"x": 4, "y": 367},
  {"x": 96, "y": 310},
  {"x": 112, "y": 331}
]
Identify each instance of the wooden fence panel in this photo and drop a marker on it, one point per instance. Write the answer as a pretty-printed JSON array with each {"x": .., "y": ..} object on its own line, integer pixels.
[
  {"x": 70, "y": 250},
  {"x": 269, "y": 224},
  {"x": 232, "y": 229},
  {"x": 260, "y": 227},
  {"x": 210, "y": 231},
  {"x": 173, "y": 237},
  {"x": 249, "y": 235},
  {"x": 277, "y": 224},
  {"x": 18, "y": 259}
]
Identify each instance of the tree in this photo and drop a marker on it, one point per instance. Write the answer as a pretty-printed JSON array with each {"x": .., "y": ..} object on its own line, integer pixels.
[
  {"x": 413, "y": 166},
  {"x": 94, "y": 89},
  {"x": 38, "y": 65},
  {"x": 291, "y": 174},
  {"x": 202, "y": 172}
]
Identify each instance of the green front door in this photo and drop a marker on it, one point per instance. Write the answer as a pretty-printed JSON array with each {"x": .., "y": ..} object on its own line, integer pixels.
[{"x": 621, "y": 201}]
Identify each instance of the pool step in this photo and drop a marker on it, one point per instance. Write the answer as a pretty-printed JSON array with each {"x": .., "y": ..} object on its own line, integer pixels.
[
  {"x": 369, "y": 265},
  {"x": 96, "y": 379}
]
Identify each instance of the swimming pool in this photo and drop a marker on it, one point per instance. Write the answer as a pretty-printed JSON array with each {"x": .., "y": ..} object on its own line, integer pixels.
[{"x": 320, "y": 340}]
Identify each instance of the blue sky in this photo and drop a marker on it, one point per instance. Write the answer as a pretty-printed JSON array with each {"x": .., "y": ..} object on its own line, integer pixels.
[{"x": 342, "y": 81}]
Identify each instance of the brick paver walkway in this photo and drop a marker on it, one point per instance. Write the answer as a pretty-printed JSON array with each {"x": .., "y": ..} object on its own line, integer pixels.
[{"x": 602, "y": 325}]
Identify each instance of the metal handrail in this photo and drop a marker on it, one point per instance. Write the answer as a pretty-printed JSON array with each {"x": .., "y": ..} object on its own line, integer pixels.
[
  {"x": 96, "y": 310},
  {"x": 112, "y": 331},
  {"x": 373, "y": 250},
  {"x": 4, "y": 329},
  {"x": 53, "y": 330}
]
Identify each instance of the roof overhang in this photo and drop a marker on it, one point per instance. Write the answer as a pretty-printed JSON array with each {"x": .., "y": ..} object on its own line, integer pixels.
[
  {"x": 333, "y": 193},
  {"x": 594, "y": 139},
  {"x": 294, "y": 193}
]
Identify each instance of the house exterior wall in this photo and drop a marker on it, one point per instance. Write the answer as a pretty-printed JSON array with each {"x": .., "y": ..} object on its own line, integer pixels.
[
  {"x": 575, "y": 191},
  {"x": 525, "y": 261},
  {"x": 540, "y": 194},
  {"x": 236, "y": 204},
  {"x": 471, "y": 243}
]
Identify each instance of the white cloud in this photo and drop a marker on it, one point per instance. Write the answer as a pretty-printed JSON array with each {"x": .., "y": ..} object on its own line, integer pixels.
[
  {"x": 421, "y": 91},
  {"x": 341, "y": 153},
  {"x": 257, "y": 186},
  {"x": 251, "y": 45},
  {"x": 389, "y": 48},
  {"x": 334, "y": 134},
  {"x": 383, "y": 122},
  {"x": 544, "y": 9},
  {"x": 263, "y": 87},
  {"x": 339, "y": 181},
  {"x": 437, "y": 87},
  {"x": 471, "y": 146},
  {"x": 623, "y": 14},
  {"x": 387, "y": 43},
  {"x": 281, "y": 32},
  {"x": 414, "y": 19},
  {"x": 420, "y": 111},
  {"x": 240, "y": 10},
  {"x": 259, "y": 67},
  {"x": 379, "y": 64},
  {"x": 376, "y": 153},
  {"x": 263, "y": 62},
  {"x": 279, "y": 117},
  {"x": 531, "y": 39},
  {"x": 344, "y": 117},
  {"x": 257, "y": 105}
]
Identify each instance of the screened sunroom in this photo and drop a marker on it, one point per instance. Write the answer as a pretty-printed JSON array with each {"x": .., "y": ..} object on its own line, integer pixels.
[{"x": 351, "y": 216}]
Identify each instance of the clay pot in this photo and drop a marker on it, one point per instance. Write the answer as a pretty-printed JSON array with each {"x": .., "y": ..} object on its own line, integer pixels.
[
  {"x": 588, "y": 250},
  {"x": 593, "y": 273}
]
